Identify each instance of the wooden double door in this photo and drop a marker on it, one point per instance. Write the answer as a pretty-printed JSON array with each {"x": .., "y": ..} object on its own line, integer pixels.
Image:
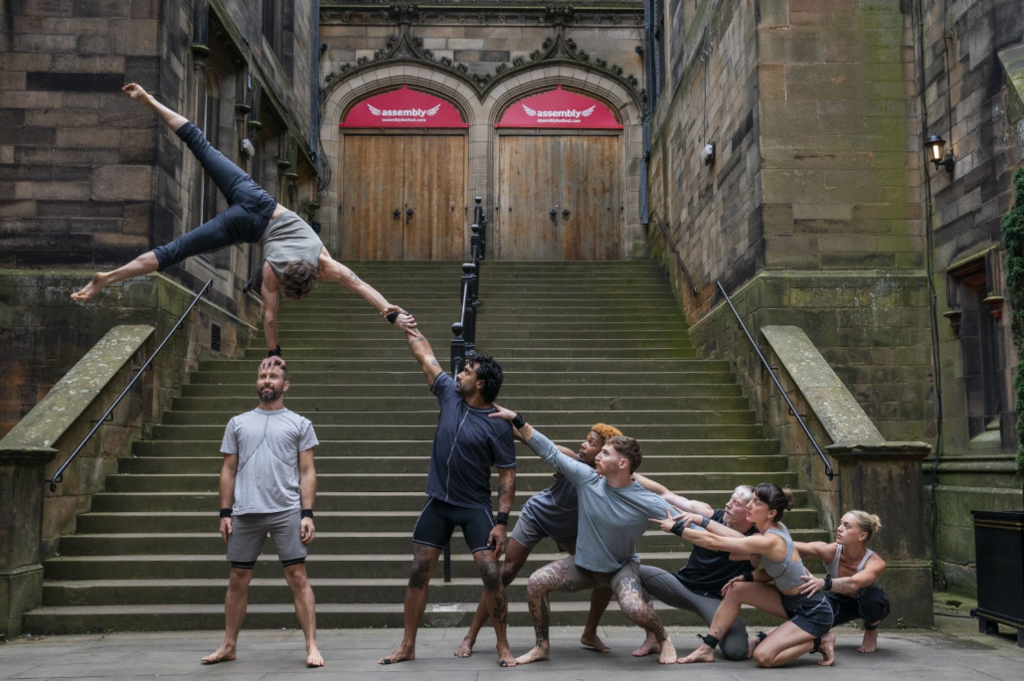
[
  {"x": 403, "y": 197},
  {"x": 559, "y": 197}
]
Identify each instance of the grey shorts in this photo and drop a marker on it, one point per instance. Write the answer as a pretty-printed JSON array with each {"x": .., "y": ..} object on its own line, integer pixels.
[
  {"x": 584, "y": 579},
  {"x": 249, "y": 532},
  {"x": 526, "y": 533}
]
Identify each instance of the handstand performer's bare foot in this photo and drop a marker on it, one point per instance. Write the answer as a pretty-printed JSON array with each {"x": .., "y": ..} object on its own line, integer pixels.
[
  {"x": 668, "y": 653},
  {"x": 650, "y": 645},
  {"x": 225, "y": 653},
  {"x": 506, "y": 658},
  {"x": 538, "y": 653},
  {"x": 593, "y": 641},
  {"x": 399, "y": 654},
  {"x": 704, "y": 653},
  {"x": 828, "y": 650},
  {"x": 89, "y": 291},
  {"x": 465, "y": 648},
  {"x": 870, "y": 642},
  {"x": 313, "y": 656}
]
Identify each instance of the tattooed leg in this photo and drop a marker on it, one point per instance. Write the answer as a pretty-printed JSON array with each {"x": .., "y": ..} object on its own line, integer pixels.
[
  {"x": 562, "y": 575},
  {"x": 515, "y": 558},
  {"x": 634, "y": 605},
  {"x": 497, "y": 604},
  {"x": 424, "y": 560}
]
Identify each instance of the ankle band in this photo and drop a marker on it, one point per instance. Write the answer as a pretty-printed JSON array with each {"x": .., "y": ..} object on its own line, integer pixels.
[
  {"x": 709, "y": 640},
  {"x": 761, "y": 636},
  {"x": 817, "y": 645}
]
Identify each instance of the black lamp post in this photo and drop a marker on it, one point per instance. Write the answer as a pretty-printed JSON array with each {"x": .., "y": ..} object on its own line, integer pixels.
[{"x": 935, "y": 145}]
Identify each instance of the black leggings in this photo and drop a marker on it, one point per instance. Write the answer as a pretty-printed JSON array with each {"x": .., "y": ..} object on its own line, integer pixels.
[
  {"x": 250, "y": 207},
  {"x": 871, "y": 605}
]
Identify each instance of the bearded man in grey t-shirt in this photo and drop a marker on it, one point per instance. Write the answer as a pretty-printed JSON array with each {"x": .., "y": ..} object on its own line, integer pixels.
[{"x": 267, "y": 485}]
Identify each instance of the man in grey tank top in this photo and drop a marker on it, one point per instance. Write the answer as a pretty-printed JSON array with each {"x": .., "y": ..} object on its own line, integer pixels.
[{"x": 294, "y": 256}]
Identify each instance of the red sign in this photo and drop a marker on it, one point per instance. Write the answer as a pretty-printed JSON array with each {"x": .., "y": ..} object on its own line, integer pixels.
[
  {"x": 403, "y": 108},
  {"x": 559, "y": 109}
]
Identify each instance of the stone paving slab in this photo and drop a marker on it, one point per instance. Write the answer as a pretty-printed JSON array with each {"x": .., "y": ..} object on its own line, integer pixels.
[{"x": 953, "y": 654}]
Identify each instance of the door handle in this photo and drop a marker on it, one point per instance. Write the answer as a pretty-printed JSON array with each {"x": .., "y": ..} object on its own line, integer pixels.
[
  {"x": 408, "y": 214},
  {"x": 554, "y": 215},
  {"x": 397, "y": 214},
  {"x": 565, "y": 213}
]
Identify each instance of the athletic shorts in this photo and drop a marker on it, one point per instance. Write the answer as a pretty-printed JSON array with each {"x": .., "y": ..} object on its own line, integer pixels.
[
  {"x": 439, "y": 519},
  {"x": 526, "y": 533},
  {"x": 810, "y": 613},
  {"x": 249, "y": 532}
]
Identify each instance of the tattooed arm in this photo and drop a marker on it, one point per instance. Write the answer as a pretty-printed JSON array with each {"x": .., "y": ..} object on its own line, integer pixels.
[
  {"x": 421, "y": 350},
  {"x": 848, "y": 586},
  {"x": 506, "y": 495}
]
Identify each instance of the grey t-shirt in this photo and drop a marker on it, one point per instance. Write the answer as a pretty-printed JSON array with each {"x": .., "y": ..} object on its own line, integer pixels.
[
  {"x": 467, "y": 443},
  {"x": 288, "y": 238},
  {"x": 554, "y": 511},
  {"x": 267, "y": 443},
  {"x": 611, "y": 519}
]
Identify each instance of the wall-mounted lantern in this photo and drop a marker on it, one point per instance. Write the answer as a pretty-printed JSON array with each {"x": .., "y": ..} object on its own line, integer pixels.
[{"x": 935, "y": 146}]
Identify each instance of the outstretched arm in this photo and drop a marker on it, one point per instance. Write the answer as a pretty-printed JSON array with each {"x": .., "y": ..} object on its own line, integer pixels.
[
  {"x": 827, "y": 552},
  {"x": 173, "y": 119},
  {"x": 848, "y": 586},
  {"x": 677, "y": 500},
  {"x": 268, "y": 292},
  {"x": 424, "y": 354}
]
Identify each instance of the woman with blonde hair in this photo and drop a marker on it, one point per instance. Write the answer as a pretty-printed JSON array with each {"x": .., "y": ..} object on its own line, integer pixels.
[{"x": 853, "y": 570}]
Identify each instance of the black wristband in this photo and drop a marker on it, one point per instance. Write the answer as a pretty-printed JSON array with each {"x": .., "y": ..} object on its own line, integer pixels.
[
  {"x": 747, "y": 577},
  {"x": 678, "y": 528},
  {"x": 306, "y": 513},
  {"x": 705, "y": 521},
  {"x": 828, "y": 583},
  {"x": 276, "y": 352},
  {"x": 518, "y": 421},
  {"x": 392, "y": 317},
  {"x": 501, "y": 519},
  {"x": 225, "y": 513}
]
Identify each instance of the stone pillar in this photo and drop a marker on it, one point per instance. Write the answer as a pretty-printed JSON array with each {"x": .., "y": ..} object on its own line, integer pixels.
[
  {"x": 21, "y": 520},
  {"x": 885, "y": 478}
]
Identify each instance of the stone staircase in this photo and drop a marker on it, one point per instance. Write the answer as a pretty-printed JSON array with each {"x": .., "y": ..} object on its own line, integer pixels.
[{"x": 580, "y": 343}]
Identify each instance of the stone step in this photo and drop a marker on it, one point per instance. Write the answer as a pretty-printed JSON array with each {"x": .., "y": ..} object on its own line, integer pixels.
[
  {"x": 543, "y": 418},
  {"x": 245, "y": 374},
  {"x": 523, "y": 318},
  {"x": 440, "y": 329},
  {"x": 386, "y": 448},
  {"x": 344, "y": 502},
  {"x": 437, "y": 304},
  {"x": 211, "y": 462},
  {"x": 236, "y": 384},
  {"x": 503, "y": 352},
  {"x": 155, "y": 521},
  {"x": 531, "y": 405},
  {"x": 559, "y": 432},
  {"x": 394, "y": 343},
  {"x": 388, "y": 482}
]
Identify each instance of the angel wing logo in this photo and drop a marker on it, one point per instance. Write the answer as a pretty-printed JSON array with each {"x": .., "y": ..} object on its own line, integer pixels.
[
  {"x": 374, "y": 110},
  {"x": 431, "y": 112},
  {"x": 529, "y": 111},
  {"x": 587, "y": 112}
]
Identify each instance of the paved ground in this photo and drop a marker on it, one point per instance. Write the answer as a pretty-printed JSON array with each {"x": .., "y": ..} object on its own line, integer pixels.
[{"x": 952, "y": 653}]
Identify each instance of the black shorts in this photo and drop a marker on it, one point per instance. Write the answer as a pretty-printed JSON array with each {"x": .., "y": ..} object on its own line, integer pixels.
[
  {"x": 439, "y": 519},
  {"x": 870, "y": 604},
  {"x": 810, "y": 613}
]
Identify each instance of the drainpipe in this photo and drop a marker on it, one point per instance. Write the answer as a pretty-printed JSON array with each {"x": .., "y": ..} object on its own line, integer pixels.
[{"x": 314, "y": 87}]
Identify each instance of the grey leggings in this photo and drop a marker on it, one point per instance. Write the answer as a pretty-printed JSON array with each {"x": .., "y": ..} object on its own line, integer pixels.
[
  {"x": 250, "y": 207},
  {"x": 667, "y": 588}
]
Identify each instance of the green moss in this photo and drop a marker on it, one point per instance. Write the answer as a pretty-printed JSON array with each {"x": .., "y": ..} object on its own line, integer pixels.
[{"x": 1013, "y": 238}]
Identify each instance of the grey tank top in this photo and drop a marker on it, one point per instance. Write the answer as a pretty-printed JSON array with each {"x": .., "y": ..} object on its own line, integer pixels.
[
  {"x": 288, "y": 238},
  {"x": 787, "y": 573},
  {"x": 833, "y": 568}
]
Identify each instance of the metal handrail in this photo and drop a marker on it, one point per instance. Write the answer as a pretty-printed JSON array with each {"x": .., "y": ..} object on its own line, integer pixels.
[
  {"x": 828, "y": 466},
  {"x": 672, "y": 247},
  {"x": 59, "y": 476}
]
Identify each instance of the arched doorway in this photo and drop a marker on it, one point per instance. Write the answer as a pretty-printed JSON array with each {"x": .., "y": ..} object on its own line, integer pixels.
[
  {"x": 403, "y": 178},
  {"x": 559, "y": 179}
]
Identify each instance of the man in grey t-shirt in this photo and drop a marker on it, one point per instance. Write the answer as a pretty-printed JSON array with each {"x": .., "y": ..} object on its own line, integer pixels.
[{"x": 267, "y": 485}]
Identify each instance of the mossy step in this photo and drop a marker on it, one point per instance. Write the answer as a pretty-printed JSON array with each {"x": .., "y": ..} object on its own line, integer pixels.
[
  {"x": 504, "y": 353},
  {"x": 512, "y": 390},
  {"x": 534, "y": 375},
  {"x": 331, "y": 339}
]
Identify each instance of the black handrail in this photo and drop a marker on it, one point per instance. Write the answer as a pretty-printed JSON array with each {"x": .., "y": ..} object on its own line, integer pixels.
[
  {"x": 59, "y": 476},
  {"x": 672, "y": 247},
  {"x": 782, "y": 391}
]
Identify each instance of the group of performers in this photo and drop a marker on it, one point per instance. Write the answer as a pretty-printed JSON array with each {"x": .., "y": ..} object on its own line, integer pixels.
[{"x": 596, "y": 509}]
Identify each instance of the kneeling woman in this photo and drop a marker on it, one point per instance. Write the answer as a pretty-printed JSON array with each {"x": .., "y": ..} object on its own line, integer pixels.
[
  {"x": 852, "y": 572},
  {"x": 810, "y": 617}
]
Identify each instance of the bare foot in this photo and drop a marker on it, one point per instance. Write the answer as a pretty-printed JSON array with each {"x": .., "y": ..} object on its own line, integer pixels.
[
  {"x": 650, "y": 645},
  {"x": 313, "y": 656},
  {"x": 704, "y": 653},
  {"x": 465, "y": 648},
  {"x": 592, "y": 640},
  {"x": 399, "y": 654},
  {"x": 226, "y": 653},
  {"x": 506, "y": 658},
  {"x": 537, "y": 654},
  {"x": 828, "y": 650},
  {"x": 870, "y": 642},
  {"x": 89, "y": 291},
  {"x": 752, "y": 644},
  {"x": 668, "y": 653}
]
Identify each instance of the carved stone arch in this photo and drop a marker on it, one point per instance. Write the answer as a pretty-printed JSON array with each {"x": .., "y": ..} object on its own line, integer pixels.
[{"x": 345, "y": 91}]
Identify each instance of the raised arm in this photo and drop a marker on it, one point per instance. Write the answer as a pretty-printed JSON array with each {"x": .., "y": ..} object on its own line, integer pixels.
[
  {"x": 271, "y": 301},
  {"x": 307, "y": 493},
  {"x": 677, "y": 500},
  {"x": 424, "y": 354}
]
